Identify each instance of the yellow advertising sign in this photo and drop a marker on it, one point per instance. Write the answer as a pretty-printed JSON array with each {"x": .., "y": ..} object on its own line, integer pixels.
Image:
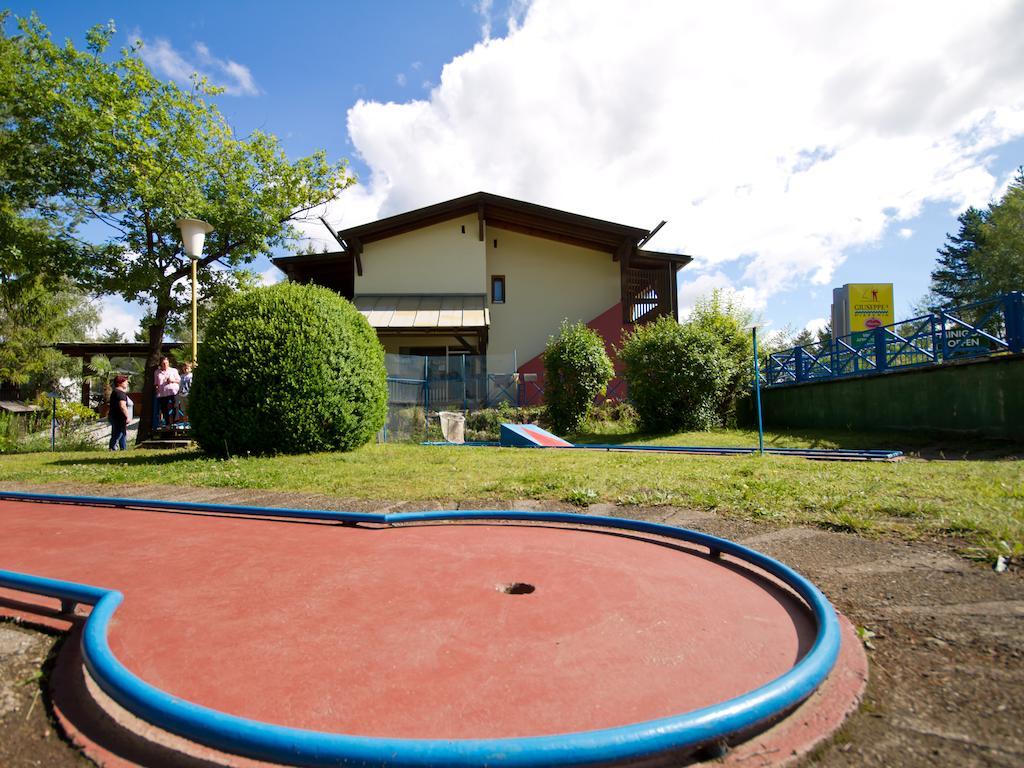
[{"x": 870, "y": 306}]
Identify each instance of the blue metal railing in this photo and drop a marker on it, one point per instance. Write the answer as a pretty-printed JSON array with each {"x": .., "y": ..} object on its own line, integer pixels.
[{"x": 982, "y": 328}]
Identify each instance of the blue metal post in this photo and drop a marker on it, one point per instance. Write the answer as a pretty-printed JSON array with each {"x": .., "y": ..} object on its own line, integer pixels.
[
  {"x": 464, "y": 396},
  {"x": 881, "y": 350},
  {"x": 757, "y": 395},
  {"x": 798, "y": 362},
  {"x": 426, "y": 395},
  {"x": 1013, "y": 304},
  {"x": 943, "y": 337}
]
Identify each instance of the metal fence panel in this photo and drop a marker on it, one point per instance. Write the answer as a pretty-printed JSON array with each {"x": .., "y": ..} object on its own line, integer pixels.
[{"x": 989, "y": 327}]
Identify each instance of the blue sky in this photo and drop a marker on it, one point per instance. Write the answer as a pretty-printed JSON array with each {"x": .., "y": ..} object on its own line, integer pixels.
[{"x": 790, "y": 150}]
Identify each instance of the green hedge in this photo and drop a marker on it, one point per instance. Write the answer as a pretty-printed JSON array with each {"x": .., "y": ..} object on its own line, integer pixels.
[
  {"x": 576, "y": 370},
  {"x": 287, "y": 369},
  {"x": 677, "y": 375}
]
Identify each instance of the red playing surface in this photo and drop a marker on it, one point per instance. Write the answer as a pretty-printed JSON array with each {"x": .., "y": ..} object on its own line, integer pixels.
[
  {"x": 403, "y": 631},
  {"x": 545, "y": 438}
]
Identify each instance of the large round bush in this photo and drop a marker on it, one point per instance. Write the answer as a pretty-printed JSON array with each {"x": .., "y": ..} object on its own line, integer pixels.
[
  {"x": 576, "y": 370},
  {"x": 287, "y": 369},
  {"x": 677, "y": 375}
]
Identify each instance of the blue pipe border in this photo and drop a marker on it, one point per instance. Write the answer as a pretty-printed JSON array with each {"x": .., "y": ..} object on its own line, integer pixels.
[
  {"x": 873, "y": 454},
  {"x": 296, "y": 746}
]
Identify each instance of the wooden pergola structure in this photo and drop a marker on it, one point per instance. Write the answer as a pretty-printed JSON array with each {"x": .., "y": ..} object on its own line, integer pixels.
[{"x": 85, "y": 350}]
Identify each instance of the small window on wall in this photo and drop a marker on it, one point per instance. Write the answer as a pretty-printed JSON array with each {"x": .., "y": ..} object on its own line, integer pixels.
[{"x": 497, "y": 289}]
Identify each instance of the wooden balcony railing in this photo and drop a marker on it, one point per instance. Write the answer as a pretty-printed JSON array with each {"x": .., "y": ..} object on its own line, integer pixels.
[{"x": 646, "y": 295}]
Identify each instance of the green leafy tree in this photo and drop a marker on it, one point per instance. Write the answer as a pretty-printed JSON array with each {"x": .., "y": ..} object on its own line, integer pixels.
[
  {"x": 222, "y": 285},
  {"x": 576, "y": 370},
  {"x": 722, "y": 315},
  {"x": 106, "y": 141},
  {"x": 34, "y": 314},
  {"x": 44, "y": 154},
  {"x": 1000, "y": 260}
]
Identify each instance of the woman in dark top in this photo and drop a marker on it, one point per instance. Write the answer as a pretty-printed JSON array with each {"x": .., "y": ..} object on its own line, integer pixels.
[{"x": 119, "y": 414}]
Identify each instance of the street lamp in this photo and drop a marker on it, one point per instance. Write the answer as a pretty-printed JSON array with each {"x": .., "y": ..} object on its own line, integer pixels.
[
  {"x": 193, "y": 234},
  {"x": 757, "y": 391}
]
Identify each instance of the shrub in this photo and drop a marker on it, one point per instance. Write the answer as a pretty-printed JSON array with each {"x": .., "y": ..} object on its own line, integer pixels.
[
  {"x": 725, "y": 318},
  {"x": 677, "y": 375},
  {"x": 612, "y": 417},
  {"x": 68, "y": 412},
  {"x": 576, "y": 370},
  {"x": 287, "y": 369},
  {"x": 485, "y": 424}
]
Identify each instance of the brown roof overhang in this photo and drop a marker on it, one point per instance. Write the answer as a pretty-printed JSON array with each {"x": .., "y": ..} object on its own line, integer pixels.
[
  {"x": 504, "y": 213},
  {"x": 308, "y": 259},
  {"x": 112, "y": 348},
  {"x": 676, "y": 259}
]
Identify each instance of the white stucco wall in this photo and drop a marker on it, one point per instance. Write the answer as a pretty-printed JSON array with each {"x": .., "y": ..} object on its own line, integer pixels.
[
  {"x": 545, "y": 282},
  {"x": 440, "y": 258}
]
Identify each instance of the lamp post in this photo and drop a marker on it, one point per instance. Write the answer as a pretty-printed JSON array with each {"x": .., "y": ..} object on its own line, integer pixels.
[
  {"x": 757, "y": 392},
  {"x": 193, "y": 234}
]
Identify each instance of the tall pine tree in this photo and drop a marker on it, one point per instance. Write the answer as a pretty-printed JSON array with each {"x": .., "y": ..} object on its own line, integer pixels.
[{"x": 955, "y": 279}]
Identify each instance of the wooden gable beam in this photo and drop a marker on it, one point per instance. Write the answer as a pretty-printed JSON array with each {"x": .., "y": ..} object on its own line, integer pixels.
[
  {"x": 355, "y": 247},
  {"x": 624, "y": 253},
  {"x": 480, "y": 221},
  {"x": 554, "y": 230}
]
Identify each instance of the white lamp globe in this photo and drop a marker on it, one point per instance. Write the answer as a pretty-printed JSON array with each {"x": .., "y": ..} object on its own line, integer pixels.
[{"x": 193, "y": 235}]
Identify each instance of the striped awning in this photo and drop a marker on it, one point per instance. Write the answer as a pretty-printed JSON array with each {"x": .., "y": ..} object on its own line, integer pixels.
[{"x": 422, "y": 312}]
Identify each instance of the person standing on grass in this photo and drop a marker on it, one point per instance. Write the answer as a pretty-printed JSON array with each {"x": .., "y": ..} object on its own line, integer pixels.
[
  {"x": 118, "y": 414},
  {"x": 167, "y": 381},
  {"x": 186, "y": 385}
]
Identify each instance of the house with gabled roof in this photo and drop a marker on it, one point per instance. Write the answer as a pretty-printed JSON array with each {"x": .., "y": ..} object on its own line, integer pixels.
[{"x": 491, "y": 276}]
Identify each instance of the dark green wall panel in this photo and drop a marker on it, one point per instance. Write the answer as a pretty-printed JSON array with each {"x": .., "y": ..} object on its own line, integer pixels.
[{"x": 981, "y": 396}]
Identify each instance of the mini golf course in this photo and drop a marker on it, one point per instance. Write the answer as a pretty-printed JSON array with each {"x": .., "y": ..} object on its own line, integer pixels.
[
  {"x": 533, "y": 436},
  {"x": 238, "y": 634}
]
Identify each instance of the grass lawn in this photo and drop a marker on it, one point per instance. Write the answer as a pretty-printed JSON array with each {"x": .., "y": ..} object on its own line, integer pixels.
[{"x": 979, "y": 500}]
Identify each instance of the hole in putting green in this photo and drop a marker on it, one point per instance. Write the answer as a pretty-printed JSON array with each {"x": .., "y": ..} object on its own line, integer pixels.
[{"x": 516, "y": 588}]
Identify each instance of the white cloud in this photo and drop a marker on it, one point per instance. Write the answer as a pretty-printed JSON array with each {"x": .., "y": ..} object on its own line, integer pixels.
[
  {"x": 514, "y": 10},
  {"x": 483, "y": 10},
  {"x": 164, "y": 59},
  {"x": 906, "y": 233},
  {"x": 400, "y": 79},
  {"x": 116, "y": 314},
  {"x": 817, "y": 324},
  {"x": 773, "y": 136},
  {"x": 271, "y": 275},
  {"x": 356, "y": 205}
]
